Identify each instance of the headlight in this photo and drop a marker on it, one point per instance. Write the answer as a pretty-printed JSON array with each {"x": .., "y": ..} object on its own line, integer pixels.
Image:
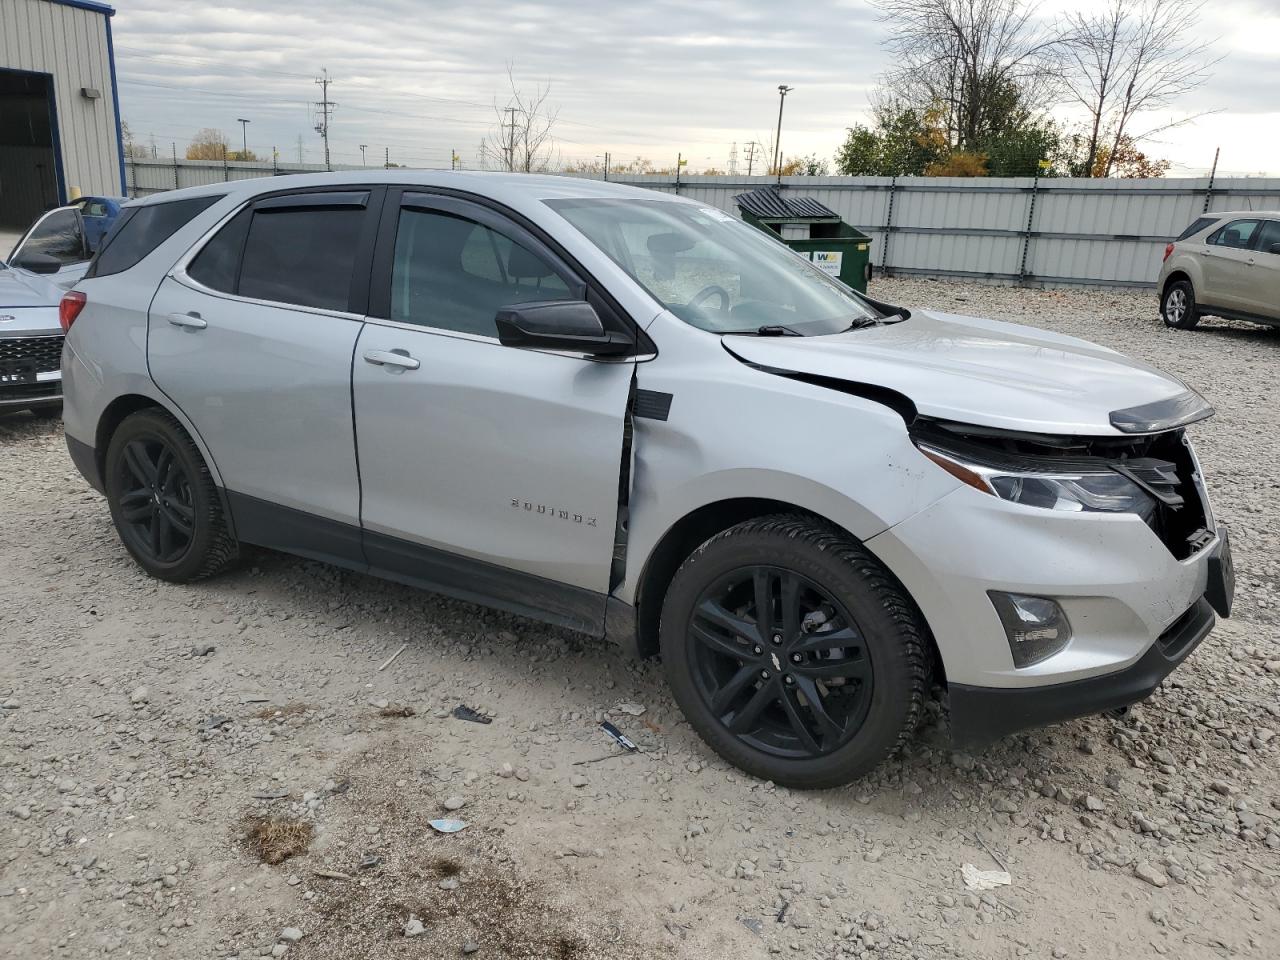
[{"x": 1089, "y": 491}]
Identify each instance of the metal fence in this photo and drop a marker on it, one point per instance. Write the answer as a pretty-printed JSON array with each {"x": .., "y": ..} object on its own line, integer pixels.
[{"x": 1037, "y": 232}]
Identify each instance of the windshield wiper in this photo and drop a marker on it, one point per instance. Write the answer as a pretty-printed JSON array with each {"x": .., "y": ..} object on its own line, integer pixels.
[
  {"x": 776, "y": 330},
  {"x": 863, "y": 322}
]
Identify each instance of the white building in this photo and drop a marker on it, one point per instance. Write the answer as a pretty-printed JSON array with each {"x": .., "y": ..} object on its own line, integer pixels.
[{"x": 59, "y": 112}]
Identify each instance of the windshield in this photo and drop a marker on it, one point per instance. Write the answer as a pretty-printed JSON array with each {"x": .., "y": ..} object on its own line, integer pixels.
[{"x": 713, "y": 271}]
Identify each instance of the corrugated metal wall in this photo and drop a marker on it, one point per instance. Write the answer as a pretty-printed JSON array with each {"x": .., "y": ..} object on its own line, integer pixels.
[
  {"x": 1054, "y": 232},
  {"x": 71, "y": 44}
]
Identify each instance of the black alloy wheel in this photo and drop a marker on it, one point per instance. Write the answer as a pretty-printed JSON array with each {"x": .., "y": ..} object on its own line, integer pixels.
[
  {"x": 164, "y": 503},
  {"x": 780, "y": 662},
  {"x": 155, "y": 500},
  {"x": 793, "y": 652}
]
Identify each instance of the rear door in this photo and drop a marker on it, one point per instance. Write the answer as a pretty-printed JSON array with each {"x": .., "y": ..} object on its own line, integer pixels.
[
  {"x": 488, "y": 472},
  {"x": 252, "y": 337},
  {"x": 1228, "y": 265}
]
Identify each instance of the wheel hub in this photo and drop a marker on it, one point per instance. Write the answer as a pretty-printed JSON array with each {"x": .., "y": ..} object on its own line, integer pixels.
[{"x": 780, "y": 662}]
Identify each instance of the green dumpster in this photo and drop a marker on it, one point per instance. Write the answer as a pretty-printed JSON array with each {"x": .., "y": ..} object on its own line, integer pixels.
[{"x": 813, "y": 229}]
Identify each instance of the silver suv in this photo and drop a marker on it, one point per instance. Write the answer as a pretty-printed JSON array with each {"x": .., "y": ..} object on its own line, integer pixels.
[
  {"x": 632, "y": 415},
  {"x": 1225, "y": 265}
]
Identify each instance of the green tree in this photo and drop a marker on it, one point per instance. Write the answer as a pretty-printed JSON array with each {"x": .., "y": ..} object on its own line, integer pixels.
[{"x": 903, "y": 141}]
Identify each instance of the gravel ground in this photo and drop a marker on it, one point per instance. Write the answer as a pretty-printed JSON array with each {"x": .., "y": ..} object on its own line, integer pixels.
[{"x": 222, "y": 770}]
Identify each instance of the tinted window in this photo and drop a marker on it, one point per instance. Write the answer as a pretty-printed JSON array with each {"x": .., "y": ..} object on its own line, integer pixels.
[
  {"x": 217, "y": 264},
  {"x": 302, "y": 256},
  {"x": 455, "y": 274},
  {"x": 1237, "y": 233},
  {"x": 145, "y": 229},
  {"x": 1196, "y": 227},
  {"x": 59, "y": 236},
  {"x": 1270, "y": 237}
]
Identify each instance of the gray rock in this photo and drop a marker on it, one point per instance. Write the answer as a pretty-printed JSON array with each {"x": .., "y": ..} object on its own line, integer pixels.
[
  {"x": 470, "y": 947},
  {"x": 414, "y": 928},
  {"x": 449, "y": 883},
  {"x": 455, "y": 803},
  {"x": 1150, "y": 873},
  {"x": 292, "y": 934}
]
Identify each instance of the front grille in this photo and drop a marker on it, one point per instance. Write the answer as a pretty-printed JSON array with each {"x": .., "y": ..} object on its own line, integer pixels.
[{"x": 46, "y": 352}]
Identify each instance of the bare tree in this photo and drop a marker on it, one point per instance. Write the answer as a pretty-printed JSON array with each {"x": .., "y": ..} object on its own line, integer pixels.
[
  {"x": 522, "y": 139},
  {"x": 1131, "y": 57},
  {"x": 977, "y": 60}
]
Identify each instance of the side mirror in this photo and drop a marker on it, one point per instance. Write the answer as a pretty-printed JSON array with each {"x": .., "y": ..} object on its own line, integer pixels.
[
  {"x": 1274, "y": 248},
  {"x": 38, "y": 263},
  {"x": 570, "y": 325}
]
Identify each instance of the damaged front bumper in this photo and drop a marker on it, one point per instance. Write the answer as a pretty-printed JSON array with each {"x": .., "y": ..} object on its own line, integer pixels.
[{"x": 1136, "y": 610}]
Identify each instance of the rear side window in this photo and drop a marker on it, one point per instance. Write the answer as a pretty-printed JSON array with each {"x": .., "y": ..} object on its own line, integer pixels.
[
  {"x": 146, "y": 228},
  {"x": 217, "y": 265},
  {"x": 1196, "y": 227},
  {"x": 1237, "y": 234},
  {"x": 302, "y": 256}
]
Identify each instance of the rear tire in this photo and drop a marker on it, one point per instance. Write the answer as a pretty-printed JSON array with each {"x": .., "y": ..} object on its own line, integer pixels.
[
  {"x": 164, "y": 503},
  {"x": 1178, "y": 306},
  {"x": 839, "y": 632}
]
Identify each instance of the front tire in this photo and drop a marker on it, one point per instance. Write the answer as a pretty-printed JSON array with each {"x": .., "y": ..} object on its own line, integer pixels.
[
  {"x": 1178, "y": 306},
  {"x": 163, "y": 500},
  {"x": 793, "y": 653}
]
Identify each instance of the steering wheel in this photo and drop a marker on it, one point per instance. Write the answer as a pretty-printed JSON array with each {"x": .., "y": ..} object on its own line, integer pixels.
[{"x": 709, "y": 291}]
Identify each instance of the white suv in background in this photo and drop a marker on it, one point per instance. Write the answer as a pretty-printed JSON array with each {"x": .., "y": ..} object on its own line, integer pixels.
[
  {"x": 1224, "y": 265},
  {"x": 633, "y": 415}
]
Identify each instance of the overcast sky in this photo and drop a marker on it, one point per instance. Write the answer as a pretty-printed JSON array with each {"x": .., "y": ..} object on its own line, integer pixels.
[{"x": 641, "y": 79}]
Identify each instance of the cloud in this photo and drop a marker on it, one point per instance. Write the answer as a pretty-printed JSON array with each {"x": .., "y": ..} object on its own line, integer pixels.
[{"x": 419, "y": 79}]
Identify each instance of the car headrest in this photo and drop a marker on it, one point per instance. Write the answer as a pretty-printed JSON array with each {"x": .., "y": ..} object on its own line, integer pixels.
[{"x": 524, "y": 265}]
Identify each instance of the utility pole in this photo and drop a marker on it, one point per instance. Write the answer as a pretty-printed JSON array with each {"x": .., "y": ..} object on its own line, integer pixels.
[
  {"x": 363, "y": 147},
  {"x": 386, "y": 158},
  {"x": 1208, "y": 194},
  {"x": 606, "y": 164},
  {"x": 244, "y": 137},
  {"x": 299, "y": 149},
  {"x": 325, "y": 108},
  {"x": 455, "y": 161},
  {"x": 783, "y": 90},
  {"x": 751, "y": 155},
  {"x": 511, "y": 140}
]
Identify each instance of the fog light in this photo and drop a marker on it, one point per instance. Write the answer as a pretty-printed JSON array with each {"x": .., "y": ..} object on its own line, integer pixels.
[{"x": 1036, "y": 627}]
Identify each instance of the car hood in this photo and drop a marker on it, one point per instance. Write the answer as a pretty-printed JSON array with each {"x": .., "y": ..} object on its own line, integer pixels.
[{"x": 976, "y": 371}]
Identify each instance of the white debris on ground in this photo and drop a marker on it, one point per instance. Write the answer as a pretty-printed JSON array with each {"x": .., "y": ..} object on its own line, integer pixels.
[{"x": 202, "y": 771}]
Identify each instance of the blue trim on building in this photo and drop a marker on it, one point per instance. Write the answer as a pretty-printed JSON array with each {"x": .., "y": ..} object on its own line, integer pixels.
[
  {"x": 87, "y": 5},
  {"x": 115, "y": 103}
]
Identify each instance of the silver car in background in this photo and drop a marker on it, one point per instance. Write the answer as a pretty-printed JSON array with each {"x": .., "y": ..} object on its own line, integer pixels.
[{"x": 631, "y": 414}]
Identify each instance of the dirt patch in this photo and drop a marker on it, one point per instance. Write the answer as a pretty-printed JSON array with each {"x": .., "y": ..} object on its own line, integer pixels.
[
  {"x": 397, "y": 711},
  {"x": 464, "y": 888},
  {"x": 275, "y": 839}
]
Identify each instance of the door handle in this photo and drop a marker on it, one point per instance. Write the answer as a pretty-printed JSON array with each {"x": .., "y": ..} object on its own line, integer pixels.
[
  {"x": 391, "y": 358},
  {"x": 191, "y": 320}
]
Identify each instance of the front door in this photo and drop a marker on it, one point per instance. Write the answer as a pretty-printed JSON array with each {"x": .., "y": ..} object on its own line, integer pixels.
[
  {"x": 1264, "y": 291},
  {"x": 252, "y": 339},
  {"x": 486, "y": 471}
]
